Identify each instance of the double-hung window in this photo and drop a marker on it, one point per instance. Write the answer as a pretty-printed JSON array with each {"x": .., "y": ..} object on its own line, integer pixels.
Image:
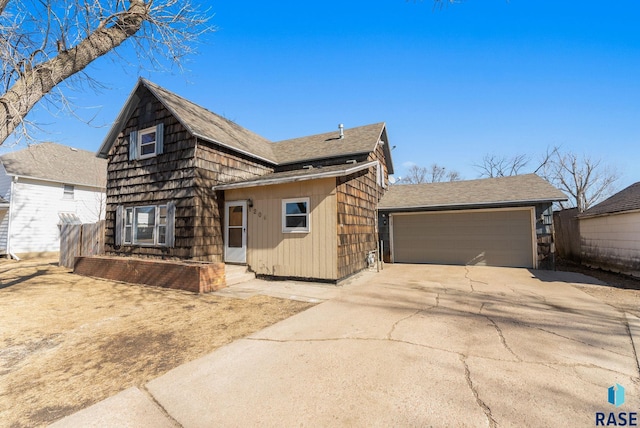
[
  {"x": 295, "y": 215},
  {"x": 145, "y": 225},
  {"x": 147, "y": 142}
]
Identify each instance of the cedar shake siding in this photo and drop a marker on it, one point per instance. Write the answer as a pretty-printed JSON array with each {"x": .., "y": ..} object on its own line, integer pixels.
[
  {"x": 216, "y": 165},
  {"x": 357, "y": 201},
  {"x": 183, "y": 174}
]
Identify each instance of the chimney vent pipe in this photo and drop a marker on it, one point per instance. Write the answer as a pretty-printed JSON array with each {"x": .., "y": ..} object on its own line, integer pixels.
[{"x": 341, "y": 128}]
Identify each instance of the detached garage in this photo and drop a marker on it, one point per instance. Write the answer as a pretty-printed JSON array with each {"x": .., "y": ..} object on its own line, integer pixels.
[{"x": 504, "y": 221}]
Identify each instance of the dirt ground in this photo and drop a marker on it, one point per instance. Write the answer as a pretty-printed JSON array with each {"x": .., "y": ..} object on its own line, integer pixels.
[
  {"x": 68, "y": 341},
  {"x": 621, "y": 291}
]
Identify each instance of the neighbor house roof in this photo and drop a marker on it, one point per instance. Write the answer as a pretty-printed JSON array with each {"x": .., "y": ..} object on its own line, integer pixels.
[
  {"x": 3, "y": 203},
  {"x": 299, "y": 175},
  {"x": 209, "y": 126},
  {"x": 58, "y": 163},
  {"x": 625, "y": 200},
  {"x": 502, "y": 191}
]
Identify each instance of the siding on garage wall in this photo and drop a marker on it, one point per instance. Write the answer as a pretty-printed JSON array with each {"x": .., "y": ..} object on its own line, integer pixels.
[
  {"x": 302, "y": 255},
  {"x": 612, "y": 242},
  {"x": 35, "y": 207}
]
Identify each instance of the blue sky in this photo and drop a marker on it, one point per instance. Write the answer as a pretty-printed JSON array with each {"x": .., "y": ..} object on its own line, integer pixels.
[{"x": 452, "y": 84}]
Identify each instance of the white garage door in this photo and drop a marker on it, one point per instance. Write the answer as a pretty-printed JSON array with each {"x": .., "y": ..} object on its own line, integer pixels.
[{"x": 474, "y": 237}]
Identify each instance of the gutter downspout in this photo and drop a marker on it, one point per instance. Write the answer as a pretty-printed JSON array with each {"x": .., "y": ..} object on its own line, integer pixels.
[{"x": 13, "y": 181}]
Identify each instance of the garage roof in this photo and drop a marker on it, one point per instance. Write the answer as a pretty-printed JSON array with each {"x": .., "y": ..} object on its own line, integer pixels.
[{"x": 501, "y": 191}]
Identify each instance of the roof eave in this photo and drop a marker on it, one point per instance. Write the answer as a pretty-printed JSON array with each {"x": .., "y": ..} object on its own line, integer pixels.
[
  {"x": 51, "y": 180},
  {"x": 119, "y": 123},
  {"x": 235, "y": 149},
  {"x": 293, "y": 179},
  {"x": 523, "y": 202},
  {"x": 583, "y": 215}
]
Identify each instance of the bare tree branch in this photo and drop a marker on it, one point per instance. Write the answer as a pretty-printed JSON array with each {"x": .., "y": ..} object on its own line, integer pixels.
[
  {"x": 435, "y": 174},
  {"x": 44, "y": 43},
  {"x": 585, "y": 179},
  {"x": 502, "y": 166}
]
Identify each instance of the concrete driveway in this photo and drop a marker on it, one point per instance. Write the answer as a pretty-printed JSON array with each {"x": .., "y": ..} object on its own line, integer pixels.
[{"x": 414, "y": 345}]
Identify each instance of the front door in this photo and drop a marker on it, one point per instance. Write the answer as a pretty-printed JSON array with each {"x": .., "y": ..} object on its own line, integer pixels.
[{"x": 235, "y": 232}]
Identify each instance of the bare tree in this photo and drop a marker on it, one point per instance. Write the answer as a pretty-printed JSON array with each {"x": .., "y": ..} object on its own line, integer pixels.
[
  {"x": 584, "y": 179},
  {"x": 434, "y": 174},
  {"x": 502, "y": 166},
  {"x": 45, "y": 42}
]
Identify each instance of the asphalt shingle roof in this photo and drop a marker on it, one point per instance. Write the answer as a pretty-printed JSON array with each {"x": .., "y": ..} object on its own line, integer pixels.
[
  {"x": 55, "y": 162},
  {"x": 211, "y": 127},
  {"x": 362, "y": 139},
  {"x": 625, "y": 200},
  {"x": 483, "y": 192},
  {"x": 301, "y": 175}
]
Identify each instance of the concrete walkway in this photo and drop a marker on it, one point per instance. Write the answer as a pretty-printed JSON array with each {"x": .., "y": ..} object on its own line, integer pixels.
[{"x": 414, "y": 345}]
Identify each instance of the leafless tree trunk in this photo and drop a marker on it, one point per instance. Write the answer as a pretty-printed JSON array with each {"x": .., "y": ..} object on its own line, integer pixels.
[
  {"x": 44, "y": 43},
  {"x": 584, "y": 179}
]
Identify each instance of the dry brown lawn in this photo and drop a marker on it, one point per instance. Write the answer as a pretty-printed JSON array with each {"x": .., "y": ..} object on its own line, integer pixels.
[{"x": 68, "y": 341}]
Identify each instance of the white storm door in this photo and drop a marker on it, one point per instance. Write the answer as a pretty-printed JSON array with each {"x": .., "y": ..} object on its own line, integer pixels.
[{"x": 235, "y": 232}]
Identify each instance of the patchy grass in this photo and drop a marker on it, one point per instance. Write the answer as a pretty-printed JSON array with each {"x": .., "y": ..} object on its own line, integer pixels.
[{"x": 68, "y": 341}]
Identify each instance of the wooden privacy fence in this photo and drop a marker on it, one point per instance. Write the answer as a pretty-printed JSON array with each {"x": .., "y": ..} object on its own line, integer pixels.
[
  {"x": 80, "y": 240},
  {"x": 567, "y": 229}
]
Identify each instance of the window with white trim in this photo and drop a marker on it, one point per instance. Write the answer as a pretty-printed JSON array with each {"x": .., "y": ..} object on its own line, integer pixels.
[
  {"x": 68, "y": 192},
  {"x": 146, "y": 225},
  {"x": 295, "y": 215},
  {"x": 147, "y": 142}
]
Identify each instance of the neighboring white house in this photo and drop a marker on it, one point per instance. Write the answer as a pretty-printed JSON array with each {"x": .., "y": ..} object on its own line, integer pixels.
[
  {"x": 610, "y": 232},
  {"x": 44, "y": 186}
]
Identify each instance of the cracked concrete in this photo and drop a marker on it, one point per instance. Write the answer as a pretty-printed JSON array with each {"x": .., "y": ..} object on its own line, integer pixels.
[{"x": 416, "y": 345}]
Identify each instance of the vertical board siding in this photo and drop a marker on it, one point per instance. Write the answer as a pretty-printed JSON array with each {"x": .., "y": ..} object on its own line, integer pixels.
[
  {"x": 5, "y": 192},
  {"x": 4, "y": 227},
  {"x": 612, "y": 242},
  {"x": 303, "y": 255}
]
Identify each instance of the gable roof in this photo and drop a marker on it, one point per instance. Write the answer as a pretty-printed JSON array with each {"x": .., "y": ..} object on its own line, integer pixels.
[
  {"x": 625, "y": 200},
  {"x": 209, "y": 126},
  {"x": 199, "y": 121},
  {"x": 501, "y": 191},
  {"x": 58, "y": 163}
]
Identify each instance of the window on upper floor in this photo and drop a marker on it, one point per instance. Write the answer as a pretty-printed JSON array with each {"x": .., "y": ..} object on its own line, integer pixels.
[
  {"x": 146, "y": 143},
  {"x": 68, "y": 192},
  {"x": 295, "y": 215}
]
